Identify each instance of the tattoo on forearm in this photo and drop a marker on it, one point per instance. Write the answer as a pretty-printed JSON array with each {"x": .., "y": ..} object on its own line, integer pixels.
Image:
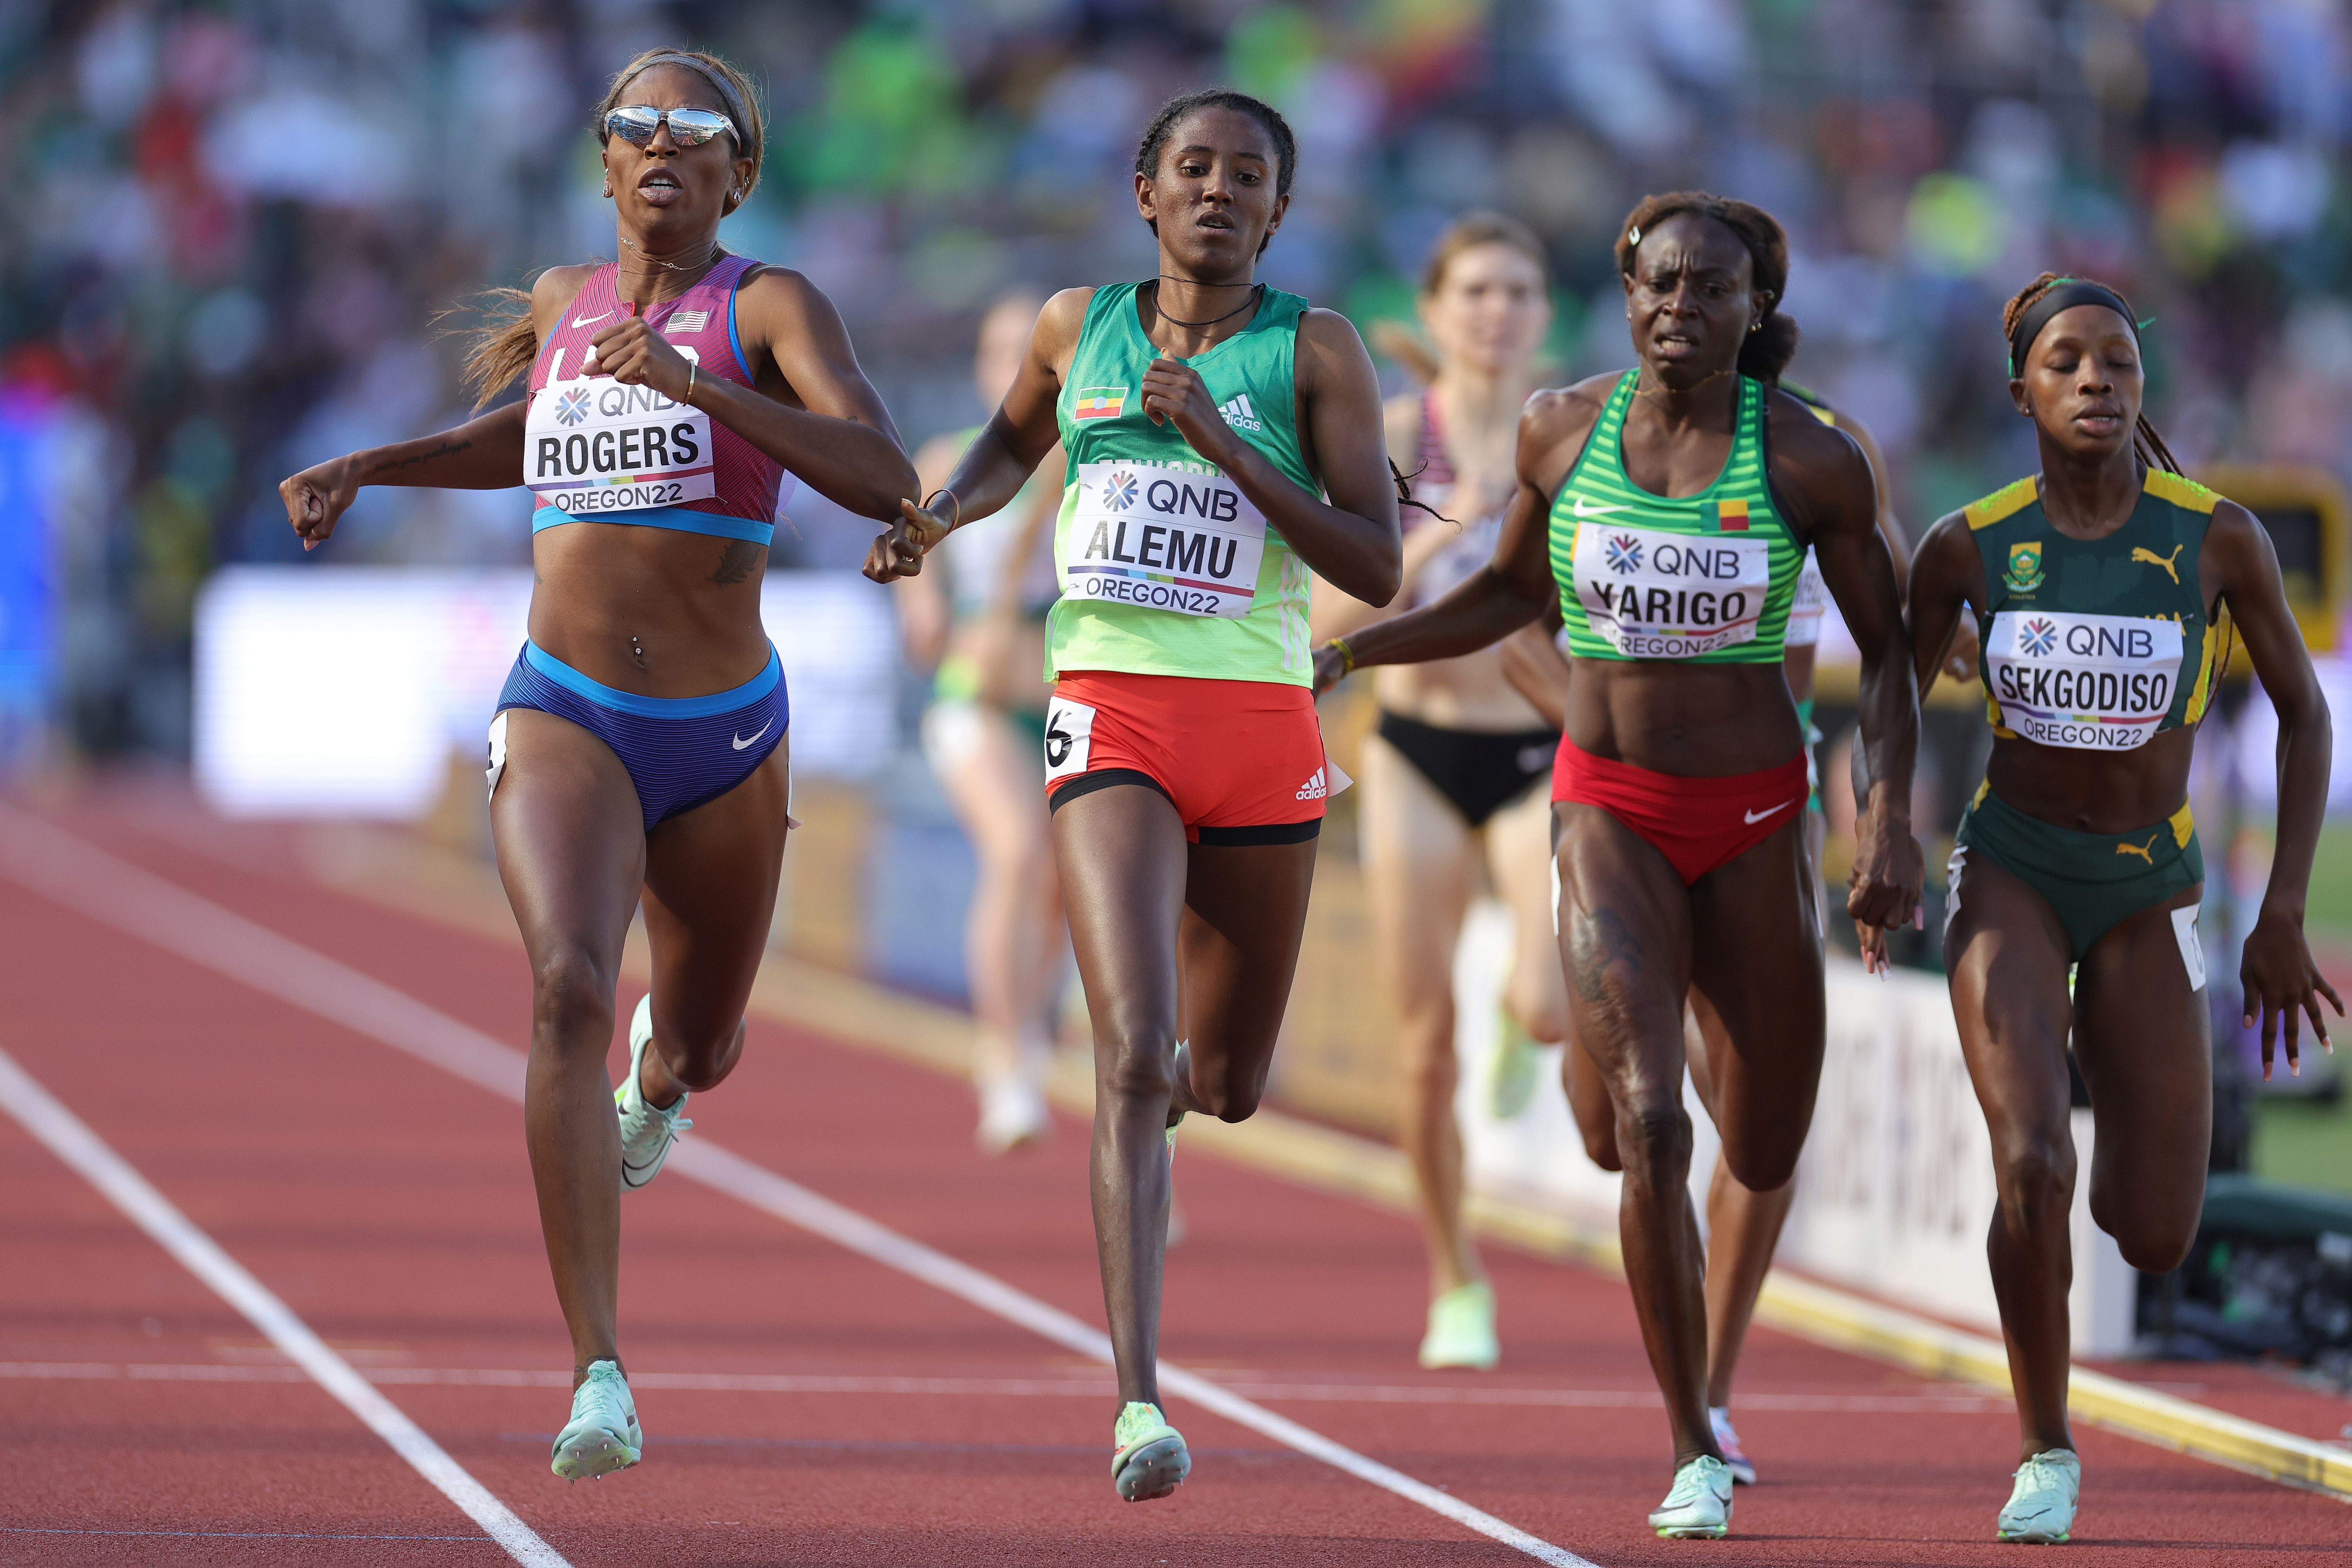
[
  {"x": 737, "y": 562},
  {"x": 1602, "y": 938},
  {"x": 446, "y": 450}
]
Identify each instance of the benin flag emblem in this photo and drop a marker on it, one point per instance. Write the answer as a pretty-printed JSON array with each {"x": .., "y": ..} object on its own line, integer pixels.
[
  {"x": 1731, "y": 516},
  {"x": 1098, "y": 403}
]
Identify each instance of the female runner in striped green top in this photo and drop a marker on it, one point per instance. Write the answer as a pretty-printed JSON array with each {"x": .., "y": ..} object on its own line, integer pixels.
[{"x": 1676, "y": 503}]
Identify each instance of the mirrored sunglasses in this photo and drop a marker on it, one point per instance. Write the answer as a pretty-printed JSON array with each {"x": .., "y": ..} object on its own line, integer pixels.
[{"x": 636, "y": 123}]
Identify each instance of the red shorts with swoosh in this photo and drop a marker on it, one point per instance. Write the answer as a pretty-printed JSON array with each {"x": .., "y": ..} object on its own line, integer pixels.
[{"x": 1697, "y": 824}]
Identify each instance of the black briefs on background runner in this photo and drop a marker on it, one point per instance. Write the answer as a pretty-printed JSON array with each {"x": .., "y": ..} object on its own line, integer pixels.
[{"x": 1479, "y": 770}]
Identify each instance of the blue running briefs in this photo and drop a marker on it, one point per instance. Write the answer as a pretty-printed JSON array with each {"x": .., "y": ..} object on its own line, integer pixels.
[{"x": 680, "y": 751}]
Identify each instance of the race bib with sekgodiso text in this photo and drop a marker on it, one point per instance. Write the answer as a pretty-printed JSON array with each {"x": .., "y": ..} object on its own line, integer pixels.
[
  {"x": 2097, "y": 683},
  {"x": 593, "y": 446},
  {"x": 1164, "y": 536},
  {"x": 1654, "y": 595}
]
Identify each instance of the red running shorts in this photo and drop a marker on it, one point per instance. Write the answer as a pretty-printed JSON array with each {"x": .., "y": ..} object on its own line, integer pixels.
[
  {"x": 1242, "y": 760},
  {"x": 1697, "y": 824}
]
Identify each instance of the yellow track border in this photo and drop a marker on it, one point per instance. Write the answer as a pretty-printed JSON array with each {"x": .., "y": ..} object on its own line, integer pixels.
[{"x": 393, "y": 869}]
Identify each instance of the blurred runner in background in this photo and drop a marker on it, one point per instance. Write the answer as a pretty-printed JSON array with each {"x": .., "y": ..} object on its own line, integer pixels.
[
  {"x": 2099, "y": 586},
  {"x": 979, "y": 616},
  {"x": 1451, "y": 776}
]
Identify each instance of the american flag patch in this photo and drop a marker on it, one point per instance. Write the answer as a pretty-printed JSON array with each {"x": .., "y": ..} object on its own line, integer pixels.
[{"x": 687, "y": 321}]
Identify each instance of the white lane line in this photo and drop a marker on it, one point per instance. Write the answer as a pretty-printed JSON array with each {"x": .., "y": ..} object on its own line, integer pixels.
[
  {"x": 998, "y": 1387},
  {"x": 80, "y": 875},
  {"x": 44, "y": 1116}
]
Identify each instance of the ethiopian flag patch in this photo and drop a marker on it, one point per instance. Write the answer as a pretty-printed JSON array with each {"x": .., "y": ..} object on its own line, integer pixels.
[
  {"x": 1098, "y": 403},
  {"x": 1731, "y": 516}
]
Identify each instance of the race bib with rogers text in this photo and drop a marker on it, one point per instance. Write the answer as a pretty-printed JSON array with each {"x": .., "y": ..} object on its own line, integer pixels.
[
  {"x": 593, "y": 445},
  {"x": 1164, "y": 537},
  {"x": 2098, "y": 683},
  {"x": 1652, "y": 594}
]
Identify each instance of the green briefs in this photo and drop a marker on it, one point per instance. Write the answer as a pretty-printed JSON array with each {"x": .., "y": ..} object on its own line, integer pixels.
[{"x": 2091, "y": 881}]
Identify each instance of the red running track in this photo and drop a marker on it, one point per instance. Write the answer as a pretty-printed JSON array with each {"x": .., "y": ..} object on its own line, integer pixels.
[{"x": 803, "y": 1404}]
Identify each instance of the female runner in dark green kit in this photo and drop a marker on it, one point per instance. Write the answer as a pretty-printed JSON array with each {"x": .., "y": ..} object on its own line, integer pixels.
[{"x": 2097, "y": 587}]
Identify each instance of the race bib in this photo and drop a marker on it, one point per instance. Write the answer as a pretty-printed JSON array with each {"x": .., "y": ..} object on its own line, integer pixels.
[
  {"x": 1164, "y": 537},
  {"x": 1069, "y": 738},
  {"x": 1805, "y": 611},
  {"x": 1651, "y": 594},
  {"x": 593, "y": 446},
  {"x": 2097, "y": 683}
]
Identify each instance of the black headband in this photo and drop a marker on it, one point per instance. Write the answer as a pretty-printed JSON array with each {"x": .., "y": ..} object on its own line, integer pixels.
[
  {"x": 726, "y": 92},
  {"x": 2064, "y": 295}
]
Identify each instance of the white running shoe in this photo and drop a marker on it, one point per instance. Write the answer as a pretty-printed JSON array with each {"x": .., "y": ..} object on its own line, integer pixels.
[
  {"x": 1012, "y": 1114},
  {"x": 1699, "y": 1505},
  {"x": 1461, "y": 1330},
  {"x": 602, "y": 1434},
  {"x": 1743, "y": 1468},
  {"x": 2040, "y": 1509},
  {"x": 646, "y": 1130}
]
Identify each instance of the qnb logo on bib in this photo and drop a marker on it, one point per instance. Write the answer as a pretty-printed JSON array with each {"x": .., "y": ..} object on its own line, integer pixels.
[
  {"x": 2098, "y": 683},
  {"x": 1651, "y": 594},
  {"x": 1162, "y": 537},
  {"x": 598, "y": 446}
]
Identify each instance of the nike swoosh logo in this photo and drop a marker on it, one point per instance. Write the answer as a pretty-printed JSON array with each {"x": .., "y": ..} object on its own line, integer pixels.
[
  {"x": 741, "y": 744},
  {"x": 1756, "y": 816},
  {"x": 584, "y": 320},
  {"x": 1584, "y": 508}
]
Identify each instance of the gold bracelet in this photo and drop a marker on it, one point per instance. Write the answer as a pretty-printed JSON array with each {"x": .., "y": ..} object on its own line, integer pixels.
[
  {"x": 1346, "y": 655},
  {"x": 692, "y": 369},
  {"x": 943, "y": 490}
]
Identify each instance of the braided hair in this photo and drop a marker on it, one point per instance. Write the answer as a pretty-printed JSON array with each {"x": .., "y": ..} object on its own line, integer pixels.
[
  {"x": 1768, "y": 350},
  {"x": 2146, "y": 442},
  {"x": 1269, "y": 118}
]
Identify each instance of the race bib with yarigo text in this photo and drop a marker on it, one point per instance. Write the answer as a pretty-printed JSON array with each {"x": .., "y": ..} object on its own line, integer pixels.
[
  {"x": 1651, "y": 595},
  {"x": 594, "y": 445},
  {"x": 1164, "y": 536},
  {"x": 2098, "y": 683}
]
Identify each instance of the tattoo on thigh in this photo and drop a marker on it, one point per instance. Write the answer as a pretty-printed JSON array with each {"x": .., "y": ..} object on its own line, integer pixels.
[
  {"x": 1602, "y": 938},
  {"x": 736, "y": 562}
]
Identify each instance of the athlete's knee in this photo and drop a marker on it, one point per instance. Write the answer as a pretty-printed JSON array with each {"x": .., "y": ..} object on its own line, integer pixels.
[
  {"x": 2035, "y": 1175},
  {"x": 1228, "y": 1101},
  {"x": 1654, "y": 1134},
  {"x": 572, "y": 997},
  {"x": 1600, "y": 1134},
  {"x": 1136, "y": 1063}
]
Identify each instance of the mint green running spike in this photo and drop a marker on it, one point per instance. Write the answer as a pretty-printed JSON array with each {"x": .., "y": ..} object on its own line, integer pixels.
[
  {"x": 1511, "y": 1076},
  {"x": 2040, "y": 1509},
  {"x": 1461, "y": 1330},
  {"x": 1148, "y": 1458}
]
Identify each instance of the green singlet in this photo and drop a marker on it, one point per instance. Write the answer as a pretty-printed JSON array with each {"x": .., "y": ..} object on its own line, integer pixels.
[
  {"x": 1706, "y": 579},
  {"x": 1165, "y": 568},
  {"x": 2092, "y": 645}
]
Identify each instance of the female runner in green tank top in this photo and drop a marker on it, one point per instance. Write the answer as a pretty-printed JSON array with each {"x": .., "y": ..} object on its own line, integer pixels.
[
  {"x": 2097, "y": 585},
  {"x": 1204, "y": 419},
  {"x": 980, "y": 625},
  {"x": 1675, "y": 502}
]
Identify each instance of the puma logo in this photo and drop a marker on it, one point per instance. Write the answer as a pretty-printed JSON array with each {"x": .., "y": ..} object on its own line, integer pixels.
[
  {"x": 2145, "y": 851},
  {"x": 2142, "y": 552}
]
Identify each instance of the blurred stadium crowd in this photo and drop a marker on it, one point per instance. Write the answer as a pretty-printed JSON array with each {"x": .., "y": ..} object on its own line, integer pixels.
[{"x": 235, "y": 222}]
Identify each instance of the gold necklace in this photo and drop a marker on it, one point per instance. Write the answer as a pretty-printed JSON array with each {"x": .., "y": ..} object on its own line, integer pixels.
[{"x": 674, "y": 266}]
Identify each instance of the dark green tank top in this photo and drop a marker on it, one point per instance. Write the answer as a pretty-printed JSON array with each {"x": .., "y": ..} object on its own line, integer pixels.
[
  {"x": 1704, "y": 579},
  {"x": 2094, "y": 644}
]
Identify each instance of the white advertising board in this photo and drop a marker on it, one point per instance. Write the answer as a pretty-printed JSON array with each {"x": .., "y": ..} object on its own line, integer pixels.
[
  {"x": 342, "y": 691},
  {"x": 1895, "y": 1194}
]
